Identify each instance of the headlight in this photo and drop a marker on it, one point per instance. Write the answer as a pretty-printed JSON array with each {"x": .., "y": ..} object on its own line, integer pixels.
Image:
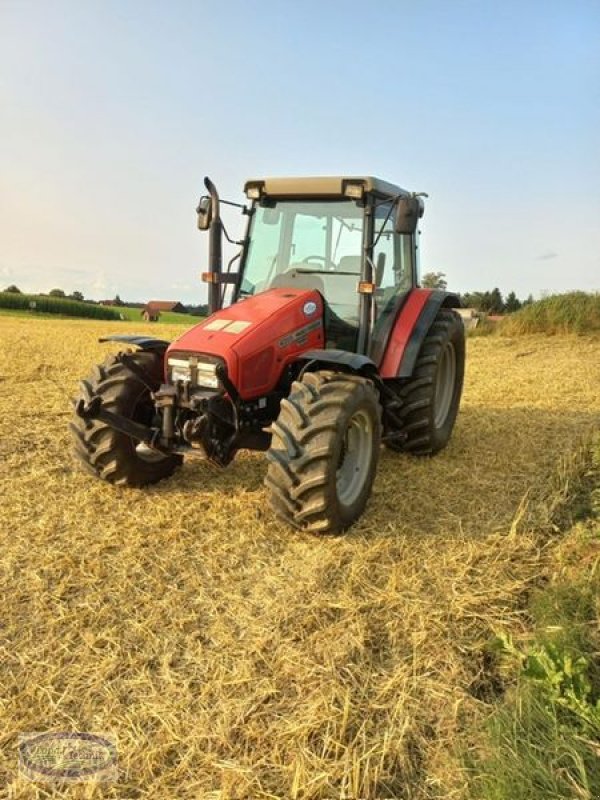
[
  {"x": 198, "y": 373},
  {"x": 179, "y": 369},
  {"x": 207, "y": 375}
]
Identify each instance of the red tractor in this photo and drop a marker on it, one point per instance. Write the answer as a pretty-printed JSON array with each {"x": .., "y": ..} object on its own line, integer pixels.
[{"x": 328, "y": 349}]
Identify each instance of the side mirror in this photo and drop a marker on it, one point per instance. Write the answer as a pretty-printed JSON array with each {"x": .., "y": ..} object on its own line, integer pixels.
[
  {"x": 409, "y": 210},
  {"x": 204, "y": 212}
]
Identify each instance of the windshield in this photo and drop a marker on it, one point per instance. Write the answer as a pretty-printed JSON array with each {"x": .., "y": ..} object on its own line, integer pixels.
[{"x": 309, "y": 245}]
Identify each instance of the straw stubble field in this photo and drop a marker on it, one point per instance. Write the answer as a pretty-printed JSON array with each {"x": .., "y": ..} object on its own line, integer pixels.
[{"x": 232, "y": 657}]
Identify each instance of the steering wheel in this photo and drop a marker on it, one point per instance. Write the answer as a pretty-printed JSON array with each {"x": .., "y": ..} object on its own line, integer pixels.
[{"x": 326, "y": 261}]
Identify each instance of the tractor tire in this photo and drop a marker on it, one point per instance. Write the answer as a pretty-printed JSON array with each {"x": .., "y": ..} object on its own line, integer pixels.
[
  {"x": 110, "y": 454},
  {"x": 324, "y": 451},
  {"x": 431, "y": 397}
]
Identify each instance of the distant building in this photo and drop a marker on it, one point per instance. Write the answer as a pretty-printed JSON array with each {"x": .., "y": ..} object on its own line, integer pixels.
[
  {"x": 153, "y": 308},
  {"x": 470, "y": 317},
  {"x": 166, "y": 305}
]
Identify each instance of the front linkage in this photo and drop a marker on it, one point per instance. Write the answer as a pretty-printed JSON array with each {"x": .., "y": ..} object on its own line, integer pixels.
[{"x": 186, "y": 418}]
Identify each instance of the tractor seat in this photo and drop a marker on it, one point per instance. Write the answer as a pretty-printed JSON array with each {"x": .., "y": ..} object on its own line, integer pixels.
[
  {"x": 349, "y": 264},
  {"x": 292, "y": 279}
]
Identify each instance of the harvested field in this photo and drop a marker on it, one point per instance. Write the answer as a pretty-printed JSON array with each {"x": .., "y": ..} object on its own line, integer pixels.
[{"x": 232, "y": 657}]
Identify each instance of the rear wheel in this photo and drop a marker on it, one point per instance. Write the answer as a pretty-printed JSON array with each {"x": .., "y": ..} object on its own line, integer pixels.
[
  {"x": 431, "y": 397},
  {"x": 324, "y": 451},
  {"x": 110, "y": 454}
]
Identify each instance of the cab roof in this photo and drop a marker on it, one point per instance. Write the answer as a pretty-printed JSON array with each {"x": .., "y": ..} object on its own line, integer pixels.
[{"x": 322, "y": 186}]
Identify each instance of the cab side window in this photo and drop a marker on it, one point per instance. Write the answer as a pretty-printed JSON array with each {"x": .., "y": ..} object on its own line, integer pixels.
[{"x": 392, "y": 257}]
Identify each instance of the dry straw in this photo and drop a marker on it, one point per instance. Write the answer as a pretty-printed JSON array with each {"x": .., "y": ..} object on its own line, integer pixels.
[{"x": 232, "y": 657}]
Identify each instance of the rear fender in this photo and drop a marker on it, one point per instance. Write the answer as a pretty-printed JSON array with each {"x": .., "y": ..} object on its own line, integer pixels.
[{"x": 413, "y": 321}]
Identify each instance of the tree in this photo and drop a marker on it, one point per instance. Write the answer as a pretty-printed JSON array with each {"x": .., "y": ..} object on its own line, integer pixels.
[
  {"x": 529, "y": 300},
  {"x": 56, "y": 293},
  {"x": 486, "y": 301},
  {"x": 496, "y": 304},
  {"x": 13, "y": 289},
  {"x": 117, "y": 301},
  {"x": 434, "y": 280},
  {"x": 466, "y": 300},
  {"x": 77, "y": 296},
  {"x": 472, "y": 300},
  {"x": 512, "y": 303},
  {"x": 198, "y": 311}
]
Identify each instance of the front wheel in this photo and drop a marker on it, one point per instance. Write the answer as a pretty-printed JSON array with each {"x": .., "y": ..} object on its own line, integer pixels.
[
  {"x": 108, "y": 453},
  {"x": 324, "y": 451}
]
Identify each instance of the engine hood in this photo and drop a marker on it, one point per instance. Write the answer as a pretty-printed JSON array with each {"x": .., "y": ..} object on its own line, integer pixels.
[{"x": 258, "y": 337}]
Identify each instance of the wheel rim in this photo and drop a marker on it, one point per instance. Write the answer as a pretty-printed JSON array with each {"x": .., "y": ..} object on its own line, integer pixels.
[
  {"x": 355, "y": 458},
  {"x": 444, "y": 385}
]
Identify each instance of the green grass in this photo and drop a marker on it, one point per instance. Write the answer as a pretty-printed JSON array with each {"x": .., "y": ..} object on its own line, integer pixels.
[
  {"x": 56, "y": 307},
  {"x": 574, "y": 312},
  {"x": 542, "y": 738},
  {"x": 25, "y": 312},
  {"x": 537, "y": 754},
  {"x": 135, "y": 315}
]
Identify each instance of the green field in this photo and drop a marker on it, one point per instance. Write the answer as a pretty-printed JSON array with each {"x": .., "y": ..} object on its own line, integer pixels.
[
  {"x": 31, "y": 304},
  {"x": 128, "y": 313},
  {"x": 168, "y": 317}
]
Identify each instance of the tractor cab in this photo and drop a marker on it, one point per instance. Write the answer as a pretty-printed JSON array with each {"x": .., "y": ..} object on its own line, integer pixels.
[
  {"x": 354, "y": 240},
  {"x": 314, "y": 244}
]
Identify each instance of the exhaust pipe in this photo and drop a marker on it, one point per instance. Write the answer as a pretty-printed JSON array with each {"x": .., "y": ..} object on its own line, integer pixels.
[{"x": 215, "y": 248}]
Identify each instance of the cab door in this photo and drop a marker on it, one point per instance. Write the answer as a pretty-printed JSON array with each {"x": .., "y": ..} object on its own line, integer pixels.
[{"x": 394, "y": 258}]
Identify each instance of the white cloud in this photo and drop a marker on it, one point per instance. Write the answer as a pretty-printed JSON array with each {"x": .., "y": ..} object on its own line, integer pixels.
[{"x": 99, "y": 284}]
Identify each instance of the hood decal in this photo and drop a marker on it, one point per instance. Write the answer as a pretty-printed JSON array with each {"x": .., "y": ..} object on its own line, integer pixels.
[
  {"x": 300, "y": 336},
  {"x": 227, "y": 325}
]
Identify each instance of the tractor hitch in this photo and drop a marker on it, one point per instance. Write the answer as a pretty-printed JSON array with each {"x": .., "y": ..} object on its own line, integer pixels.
[{"x": 94, "y": 411}]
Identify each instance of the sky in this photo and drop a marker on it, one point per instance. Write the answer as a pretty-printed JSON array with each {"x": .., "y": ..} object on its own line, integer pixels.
[{"x": 111, "y": 114}]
